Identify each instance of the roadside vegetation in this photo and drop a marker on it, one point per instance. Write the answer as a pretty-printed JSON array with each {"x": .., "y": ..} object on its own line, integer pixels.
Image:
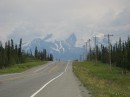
[
  {"x": 117, "y": 54},
  {"x": 21, "y": 67},
  {"x": 14, "y": 59},
  {"x": 100, "y": 81}
]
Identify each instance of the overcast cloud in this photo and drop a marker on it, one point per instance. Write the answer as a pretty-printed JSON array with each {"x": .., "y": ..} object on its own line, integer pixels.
[{"x": 30, "y": 19}]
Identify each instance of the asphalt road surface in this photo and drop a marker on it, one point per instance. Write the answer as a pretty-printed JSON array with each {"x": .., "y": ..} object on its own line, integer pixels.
[{"x": 54, "y": 79}]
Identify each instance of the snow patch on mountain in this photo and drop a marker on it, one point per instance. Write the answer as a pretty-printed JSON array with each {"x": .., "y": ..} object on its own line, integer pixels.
[{"x": 64, "y": 49}]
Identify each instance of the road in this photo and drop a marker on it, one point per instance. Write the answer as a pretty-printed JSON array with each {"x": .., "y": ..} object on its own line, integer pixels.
[{"x": 54, "y": 79}]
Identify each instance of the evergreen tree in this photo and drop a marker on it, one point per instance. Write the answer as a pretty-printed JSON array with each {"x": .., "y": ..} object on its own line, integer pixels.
[
  {"x": 44, "y": 54},
  {"x": 10, "y": 54},
  {"x": 51, "y": 57},
  {"x": 128, "y": 53},
  {"x": 20, "y": 51},
  {"x": 36, "y": 53}
]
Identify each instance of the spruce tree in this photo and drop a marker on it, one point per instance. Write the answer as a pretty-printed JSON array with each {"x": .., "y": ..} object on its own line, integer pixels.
[{"x": 36, "y": 53}]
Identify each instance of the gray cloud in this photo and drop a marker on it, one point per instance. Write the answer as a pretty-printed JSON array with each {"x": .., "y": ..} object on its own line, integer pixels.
[{"x": 29, "y": 19}]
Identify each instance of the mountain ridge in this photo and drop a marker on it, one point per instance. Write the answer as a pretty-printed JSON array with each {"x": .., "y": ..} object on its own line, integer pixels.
[{"x": 64, "y": 50}]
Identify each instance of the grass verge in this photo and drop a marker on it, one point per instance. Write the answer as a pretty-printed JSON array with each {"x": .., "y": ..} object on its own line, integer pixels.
[
  {"x": 21, "y": 67},
  {"x": 100, "y": 81}
]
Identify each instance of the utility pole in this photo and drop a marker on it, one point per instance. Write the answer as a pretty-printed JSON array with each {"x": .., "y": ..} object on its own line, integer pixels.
[
  {"x": 95, "y": 38},
  {"x": 80, "y": 58},
  {"x": 83, "y": 52},
  {"x": 89, "y": 48},
  {"x": 86, "y": 50},
  {"x": 109, "y": 47}
]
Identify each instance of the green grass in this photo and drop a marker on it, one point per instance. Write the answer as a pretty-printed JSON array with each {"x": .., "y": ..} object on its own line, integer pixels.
[
  {"x": 100, "y": 81},
  {"x": 21, "y": 67}
]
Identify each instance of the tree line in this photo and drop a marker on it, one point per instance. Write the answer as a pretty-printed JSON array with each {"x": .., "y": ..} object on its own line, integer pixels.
[
  {"x": 119, "y": 52},
  {"x": 42, "y": 55},
  {"x": 11, "y": 54}
]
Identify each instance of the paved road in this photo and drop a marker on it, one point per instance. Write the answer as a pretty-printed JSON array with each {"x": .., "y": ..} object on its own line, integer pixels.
[{"x": 54, "y": 79}]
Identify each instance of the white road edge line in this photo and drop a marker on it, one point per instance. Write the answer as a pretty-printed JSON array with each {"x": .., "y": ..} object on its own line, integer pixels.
[
  {"x": 46, "y": 85},
  {"x": 49, "y": 82}
]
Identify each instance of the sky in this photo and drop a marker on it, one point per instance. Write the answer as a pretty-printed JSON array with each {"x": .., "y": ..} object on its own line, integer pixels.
[{"x": 29, "y": 19}]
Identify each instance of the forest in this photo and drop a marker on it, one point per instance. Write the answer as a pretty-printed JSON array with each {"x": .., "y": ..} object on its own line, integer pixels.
[
  {"x": 118, "y": 54},
  {"x": 12, "y": 53}
]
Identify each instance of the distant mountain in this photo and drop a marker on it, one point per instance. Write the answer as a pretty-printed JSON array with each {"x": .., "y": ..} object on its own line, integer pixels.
[
  {"x": 72, "y": 40},
  {"x": 64, "y": 50}
]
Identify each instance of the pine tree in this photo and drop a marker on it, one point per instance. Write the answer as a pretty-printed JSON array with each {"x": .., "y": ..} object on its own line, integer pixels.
[
  {"x": 128, "y": 53},
  {"x": 20, "y": 51},
  {"x": 36, "y": 53},
  {"x": 1, "y": 55},
  {"x": 44, "y": 54},
  {"x": 51, "y": 57},
  {"x": 10, "y": 54}
]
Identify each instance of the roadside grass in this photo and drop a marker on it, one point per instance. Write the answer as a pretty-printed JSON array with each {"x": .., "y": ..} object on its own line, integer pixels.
[
  {"x": 100, "y": 81},
  {"x": 21, "y": 67}
]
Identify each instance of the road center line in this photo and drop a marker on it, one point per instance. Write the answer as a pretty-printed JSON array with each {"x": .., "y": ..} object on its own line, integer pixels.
[
  {"x": 43, "y": 67},
  {"x": 66, "y": 67},
  {"x": 40, "y": 69},
  {"x": 49, "y": 82},
  {"x": 53, "y": 68},
  {"x": 9, "y": 74},
  {"x": 80, "y": 96}
]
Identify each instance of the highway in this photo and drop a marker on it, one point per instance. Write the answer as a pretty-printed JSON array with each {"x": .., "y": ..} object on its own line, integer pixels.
[{"x": 54, "y": 79}]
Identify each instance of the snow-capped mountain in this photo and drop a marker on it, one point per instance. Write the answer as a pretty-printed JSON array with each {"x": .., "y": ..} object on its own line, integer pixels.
[{"x": 65, "y": 50}]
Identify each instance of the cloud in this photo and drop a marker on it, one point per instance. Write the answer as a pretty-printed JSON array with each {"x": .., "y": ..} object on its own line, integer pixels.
[{"x": 30, "y": 19}]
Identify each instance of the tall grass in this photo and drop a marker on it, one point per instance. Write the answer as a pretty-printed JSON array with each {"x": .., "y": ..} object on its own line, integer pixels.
[
  {"x": 21, "y": 67},
  {"x": 102, "y": 82}
]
